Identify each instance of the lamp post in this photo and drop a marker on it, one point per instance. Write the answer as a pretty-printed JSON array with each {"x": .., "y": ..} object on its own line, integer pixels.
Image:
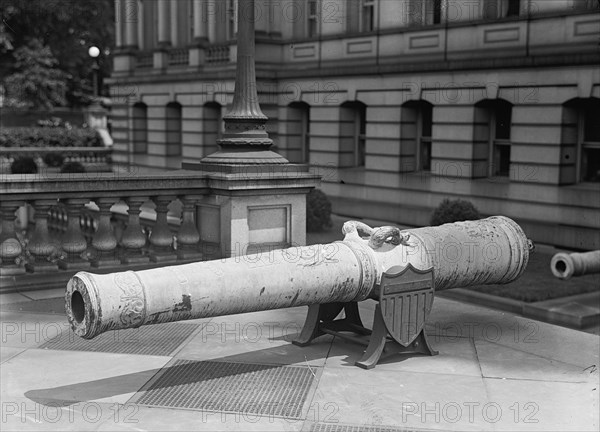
[
  {"x": 94, "y": 52},
  {"x": 245, "y": 140}
]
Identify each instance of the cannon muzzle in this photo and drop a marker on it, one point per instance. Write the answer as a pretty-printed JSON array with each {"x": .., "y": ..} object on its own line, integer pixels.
[
  {"x": 565, "y": 265},
  {"x": 489, "y": 251}
]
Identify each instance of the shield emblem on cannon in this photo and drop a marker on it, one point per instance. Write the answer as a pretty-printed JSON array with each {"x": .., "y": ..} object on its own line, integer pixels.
[{"x": 406, "y": 297}]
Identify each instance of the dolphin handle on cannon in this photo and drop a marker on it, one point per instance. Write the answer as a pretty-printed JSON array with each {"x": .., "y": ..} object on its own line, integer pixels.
[{"x": 399, "y": 269}]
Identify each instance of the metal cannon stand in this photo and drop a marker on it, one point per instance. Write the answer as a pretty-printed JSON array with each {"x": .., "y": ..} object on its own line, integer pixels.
[{"x": 405, "y": 301}]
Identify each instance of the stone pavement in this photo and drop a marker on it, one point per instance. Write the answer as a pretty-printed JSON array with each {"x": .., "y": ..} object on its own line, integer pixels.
[{"x": 495, "y": 371}]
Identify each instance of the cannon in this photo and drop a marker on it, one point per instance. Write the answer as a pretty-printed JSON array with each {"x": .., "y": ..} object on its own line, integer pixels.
[
  {"x": 400, "y": 269},
  {"x": 565, "y": 265}
]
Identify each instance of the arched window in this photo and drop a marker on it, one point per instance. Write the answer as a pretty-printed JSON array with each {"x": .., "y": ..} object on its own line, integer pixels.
[
  {"x": 298, "y": 132},
  {"x": 493, "y": 121},
  {"x": 353, "y": 127},
  {"x": 415, "y": 134},
  {"x": 139, "y": 126},
  {"x": 212, "y": 126},
  {"x": 174, "y": 129},
  {"x": 580, "y": 141}
]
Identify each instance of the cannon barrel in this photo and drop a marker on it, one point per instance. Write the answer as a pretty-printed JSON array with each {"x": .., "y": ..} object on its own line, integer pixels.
[
  {"x": 489, "y": 251},
  {"x": 565, "y": 265}
]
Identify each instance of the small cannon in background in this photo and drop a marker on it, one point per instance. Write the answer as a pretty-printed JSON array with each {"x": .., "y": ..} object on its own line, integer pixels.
[
  {"x": 399, "y": 269},
  {"x": 565, "y": 265}
]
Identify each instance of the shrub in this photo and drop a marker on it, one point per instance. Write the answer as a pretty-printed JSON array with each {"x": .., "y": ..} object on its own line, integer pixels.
[
  {"x": 318, "y": 211},
  {"x": 454, "y": 211},
  {"x": 24, "y": 165},
  {"x": 49, "y": 137},
  {"x": 72, "y": 167},
  {"x": 53, "y": 159}
]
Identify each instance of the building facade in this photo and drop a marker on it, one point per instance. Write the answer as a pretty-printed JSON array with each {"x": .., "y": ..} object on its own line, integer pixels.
[{"x": 398, "y": 104}]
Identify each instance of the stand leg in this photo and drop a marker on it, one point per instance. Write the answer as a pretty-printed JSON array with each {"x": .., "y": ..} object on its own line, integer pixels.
[
  {"x": 316, "y": 314},
  {"x": 376, "y": 344},
  {"x": 421, "y": 345}
]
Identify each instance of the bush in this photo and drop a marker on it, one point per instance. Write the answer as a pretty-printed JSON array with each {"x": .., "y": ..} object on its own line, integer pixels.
[
  {"x": 53, "y": 159},
  {"x": 72, "y": 167},
  {"x": 23, "y": 165},
  {"x": 318, "y": 211},
  {"x": 49, "y": 137},
  {"x": 454, "y": 211}
]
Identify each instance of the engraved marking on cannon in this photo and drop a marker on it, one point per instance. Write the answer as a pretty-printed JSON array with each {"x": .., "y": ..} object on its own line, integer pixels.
[
  {"x": 132, "y": 298},
  {"x": 406, "y": 301}
]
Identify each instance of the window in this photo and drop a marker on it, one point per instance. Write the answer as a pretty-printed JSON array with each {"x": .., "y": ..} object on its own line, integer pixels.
[
  {"x": 500, "y": 123},
  {"x": 589, "y": 141},
  {"x": 298, "y": 132},
  {"x": 367, "y": 16},
  {"x": 425, "y": 126},
  {"x": 139, "y": 123},
  {"x": 353, "y": 126},
  {"x": 361, "y": 16},
  {"x": 491, "y": 138},
  {"x": 212, "y": 127},
  {"x": 493, "y": 9},
  {"x": 425, "y": 12},
  {"x": 416, "y": 127},
  {"x": 174, "y": 129}
]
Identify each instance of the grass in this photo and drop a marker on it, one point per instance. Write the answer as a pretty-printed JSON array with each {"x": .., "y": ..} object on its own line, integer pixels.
[{"x": 536, "y": 284}]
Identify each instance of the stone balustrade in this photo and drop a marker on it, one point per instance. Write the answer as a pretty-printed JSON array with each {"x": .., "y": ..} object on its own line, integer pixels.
[
  {"x": 218, "y": 54},
  {"x": 92, "y": 221},
  {"x": 179, "y": 56}
]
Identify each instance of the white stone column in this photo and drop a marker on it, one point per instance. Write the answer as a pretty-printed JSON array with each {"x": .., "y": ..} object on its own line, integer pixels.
[
  {"x": 119, "y": 17},
  {"x": 164, "y": 23},
  {"x": 174, "y": 23},
  {"x": 131, "y": 17},
  {"x": 140, "y": 26},
  {"x": 211, "y": 23},
  {"x": 200, "y": 21}
]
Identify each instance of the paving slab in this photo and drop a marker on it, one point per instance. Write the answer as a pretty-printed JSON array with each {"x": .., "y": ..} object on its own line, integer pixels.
[
  {"x": 453, "y": 319},
  {"x": 456, "y": 357},
  {"x": 66, "y": 377},
  {"x": 8, "y": 298},
  {"x": 405, "y": 399},
  {"x": 499, "y": 361},
  {"x": 29, "y": 330},
  {"x": 542, "y": 405},
  {"x": 23, "y": 414},
  {"x": 6, "y": 353}
]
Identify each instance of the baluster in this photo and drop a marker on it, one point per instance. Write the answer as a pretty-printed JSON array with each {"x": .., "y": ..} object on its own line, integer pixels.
[
  {"x": 10, "y": 247},
  {"x": 105, "y": 241},
  {"x": 41, "y": 246},
  {"x": 134, "y": 239},
  {"x": 188, "y": 236},
  {"x": 73, "y": 242},
  {"x": 161, "y": 238}
]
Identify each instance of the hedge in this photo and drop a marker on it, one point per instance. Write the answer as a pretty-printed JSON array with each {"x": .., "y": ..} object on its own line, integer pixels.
[{"x": 49, "y": 137}]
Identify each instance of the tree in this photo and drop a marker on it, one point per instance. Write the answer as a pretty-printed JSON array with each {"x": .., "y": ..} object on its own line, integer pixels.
[
  {"x": 37, "y": 84},
  {"x": 67, "y": 28}
]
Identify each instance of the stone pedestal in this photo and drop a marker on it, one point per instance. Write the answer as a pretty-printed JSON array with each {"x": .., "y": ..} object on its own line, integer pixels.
[{"x": 252, "y": 208}]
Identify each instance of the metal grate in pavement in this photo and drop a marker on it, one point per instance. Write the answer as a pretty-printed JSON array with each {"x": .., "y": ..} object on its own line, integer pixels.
[
  {"x": 336, "y": 427},
  {"x": 160, "y": 340},
  {"x": 267, "y": 390}
]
